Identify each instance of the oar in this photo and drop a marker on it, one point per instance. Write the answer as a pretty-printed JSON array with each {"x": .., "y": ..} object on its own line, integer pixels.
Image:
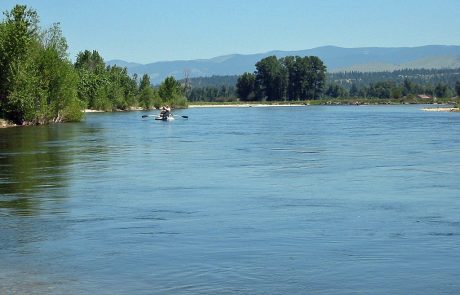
[{"x": 146, "y": 116}]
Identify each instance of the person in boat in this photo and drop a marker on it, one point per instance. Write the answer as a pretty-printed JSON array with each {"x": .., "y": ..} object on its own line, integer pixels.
[{"x": 165, "y": 111}]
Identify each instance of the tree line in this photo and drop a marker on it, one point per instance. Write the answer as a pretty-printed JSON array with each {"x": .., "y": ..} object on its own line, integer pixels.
[
  {"x": 440, "y": 83},
  {"x": 110, "y": 88},
  {"x": 419, "y": 76},
  {"x": 213, "y": 81},
  {"x": 211, "y": 89},
  {"x": 436, "y": 83},
  {"x": 391, "y": 90},
  {"x": 288, "y": 78},
  {"x": 39, "y": 84},
  {"x": 213, "y": 93}
]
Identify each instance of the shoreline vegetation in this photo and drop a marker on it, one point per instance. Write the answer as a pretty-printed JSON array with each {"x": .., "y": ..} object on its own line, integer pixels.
[{"x": 39, "y": 83}]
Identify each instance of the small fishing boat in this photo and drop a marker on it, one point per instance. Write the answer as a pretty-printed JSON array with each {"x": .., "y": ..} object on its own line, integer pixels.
[{"x": 169, "y": 117}]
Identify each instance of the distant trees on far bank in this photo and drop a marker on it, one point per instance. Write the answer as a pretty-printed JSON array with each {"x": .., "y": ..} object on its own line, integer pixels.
[
  {"x": 403, "y": 85},
  {"x": 213, "y": 93},
  {"x": 436, "y": 83},
  {"x": 288, "y": 78},
  {"x": 389, "y": 90}
]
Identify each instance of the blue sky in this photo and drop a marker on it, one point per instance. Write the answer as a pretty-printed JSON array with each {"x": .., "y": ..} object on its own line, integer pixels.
[{"x": 149, "y": 30}]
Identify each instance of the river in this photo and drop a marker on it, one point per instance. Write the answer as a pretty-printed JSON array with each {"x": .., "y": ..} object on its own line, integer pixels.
[{"x": 269, "y": 200}]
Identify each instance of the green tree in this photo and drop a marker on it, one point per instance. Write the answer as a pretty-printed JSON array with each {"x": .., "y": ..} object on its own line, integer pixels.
[
  {"x": 121, "y": 88},
  {"x": 291, "y": 63},
  {"x": 37, "y": 81},
  {"x": 306, "y": 77},
  {"x": 316, "y": 77},
  {"x": 380, "y": 89},
  {"x": 245, "y": 86},
  {"x": 171, "y": 92},
  {"x": 408, "y": 87},
  {"x": 272, "y": 77},
  {"x": 335, "y": 91},
  {"x": 91, "y": 61},
  {"x": 93, "y": 86},
  {"x": 457, "y": 88},
  {"x": 354, "y": 91},
  {"x": 147, "y": 95},
  {"x": 58, "y": 80},
  {"x": 107, "y": 88},
  {"x": 441, "y": 90},
  {"x": 91, "y": 90},
  {"x": 397, "y": 92},
  {"x": 19, "y": 34}
]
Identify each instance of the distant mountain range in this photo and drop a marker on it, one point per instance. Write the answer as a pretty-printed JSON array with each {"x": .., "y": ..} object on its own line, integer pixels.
[{"x": 365, "y": 59}]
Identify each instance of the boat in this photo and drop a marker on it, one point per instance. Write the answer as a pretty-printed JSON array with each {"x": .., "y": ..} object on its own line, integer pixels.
[{"x": 169, "y": 117}]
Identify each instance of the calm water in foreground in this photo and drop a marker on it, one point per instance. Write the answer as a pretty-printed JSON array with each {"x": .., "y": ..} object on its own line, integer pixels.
[{"x": 324, "y": 200}]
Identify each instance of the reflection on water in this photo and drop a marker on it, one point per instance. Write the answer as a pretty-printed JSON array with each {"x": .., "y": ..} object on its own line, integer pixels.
[
  {"x": 34, "y": 166},
  {"x": 248, "y": 201}
]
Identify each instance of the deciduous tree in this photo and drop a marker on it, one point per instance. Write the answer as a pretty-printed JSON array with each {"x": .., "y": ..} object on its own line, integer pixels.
[{"x": 246, "y": 86}]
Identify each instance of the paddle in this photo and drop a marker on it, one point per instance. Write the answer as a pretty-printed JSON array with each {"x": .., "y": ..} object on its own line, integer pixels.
[{"x": 146, "y": 116}]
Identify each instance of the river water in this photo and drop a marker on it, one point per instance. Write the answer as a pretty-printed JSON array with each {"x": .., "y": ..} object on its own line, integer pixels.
[{"x": 279, "y": 200}]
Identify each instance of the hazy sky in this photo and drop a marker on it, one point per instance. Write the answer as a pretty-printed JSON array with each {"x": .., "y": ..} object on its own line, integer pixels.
[{"x": 150, "y": 30}]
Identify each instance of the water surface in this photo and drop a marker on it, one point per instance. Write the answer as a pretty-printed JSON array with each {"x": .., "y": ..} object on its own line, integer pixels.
[{"x": 324, "y": 200}]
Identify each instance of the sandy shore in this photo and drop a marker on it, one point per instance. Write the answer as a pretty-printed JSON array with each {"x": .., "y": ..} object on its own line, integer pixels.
[
  {"x": 6, "y": 124},
  {"x": 440, "y": 109},
  {"x": 101, "y": 111},
  {"x": 247, "y": 105}
]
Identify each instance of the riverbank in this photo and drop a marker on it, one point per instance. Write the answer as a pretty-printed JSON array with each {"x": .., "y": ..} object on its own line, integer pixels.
[
  {"x": 324, "y": 101},
  {"x": 6, "y": 124},
  {"x": 437, "y": 107},
  {"x": 243, "y": 105},
  {"x": 102, "y": 111}
]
